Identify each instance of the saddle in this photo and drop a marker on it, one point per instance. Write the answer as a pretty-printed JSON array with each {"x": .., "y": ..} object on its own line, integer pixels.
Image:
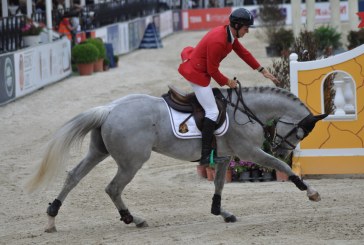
[{"x": 188, "y": 103}]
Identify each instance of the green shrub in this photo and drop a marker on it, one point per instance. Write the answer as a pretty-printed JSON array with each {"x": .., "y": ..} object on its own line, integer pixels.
[
  {"x": 355, "y": 38},
  {"x": 84, "y": 53},
  {"x": 327, "y": 37},
  {"x": 99, "y": 44},
  {"x": 282, "y": 39}
]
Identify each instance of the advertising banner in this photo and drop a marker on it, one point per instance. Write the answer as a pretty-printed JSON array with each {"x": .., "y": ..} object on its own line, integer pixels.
[
  {"x": 102, "y": 33},
  {"x": 202, "y": 19},
  {"x": 124, "y": 38},
  {"x": 7, "y": 78},
  {"x": 322, "y": 12},
  {"x": 177, "y": 20},
  {"x": 113, "y": 37},
  {"x": 136, "y": 32},
  {"x": 38, "y": 66},
  {"x": 166, "y": 23}
]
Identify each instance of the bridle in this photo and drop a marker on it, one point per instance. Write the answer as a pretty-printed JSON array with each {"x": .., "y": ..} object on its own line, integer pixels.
[{"x": 274, "y": 139}]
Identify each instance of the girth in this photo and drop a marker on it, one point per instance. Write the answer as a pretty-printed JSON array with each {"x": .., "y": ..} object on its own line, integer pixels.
[{"x": 188, "y": 103}]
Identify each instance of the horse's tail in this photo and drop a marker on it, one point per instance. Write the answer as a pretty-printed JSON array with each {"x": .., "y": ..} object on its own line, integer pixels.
[{"x": 70, "y": 134}]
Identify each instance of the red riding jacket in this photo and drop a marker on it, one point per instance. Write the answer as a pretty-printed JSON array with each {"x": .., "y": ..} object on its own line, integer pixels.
[{"x": 201, "y": 63}]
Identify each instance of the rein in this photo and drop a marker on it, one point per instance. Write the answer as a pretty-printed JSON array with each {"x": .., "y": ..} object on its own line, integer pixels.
[
  {"x": 245, "y": 109},
  {"x": 251, "y": 116},
  {"x": 269, "y": 128}
]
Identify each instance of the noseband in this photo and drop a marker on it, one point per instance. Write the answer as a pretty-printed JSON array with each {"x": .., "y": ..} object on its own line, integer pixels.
[{"x": 270, "y": 131}]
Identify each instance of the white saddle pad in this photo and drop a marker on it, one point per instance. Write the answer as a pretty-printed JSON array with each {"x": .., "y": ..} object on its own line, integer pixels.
[{"x": 193, "y": 132}]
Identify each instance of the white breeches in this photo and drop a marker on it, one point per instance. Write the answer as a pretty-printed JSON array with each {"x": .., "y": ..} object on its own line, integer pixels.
[{"x": 207, "y": 100}]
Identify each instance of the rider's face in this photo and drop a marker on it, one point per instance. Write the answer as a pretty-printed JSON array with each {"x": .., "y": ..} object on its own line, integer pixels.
[{"x": 242, "y": 31}]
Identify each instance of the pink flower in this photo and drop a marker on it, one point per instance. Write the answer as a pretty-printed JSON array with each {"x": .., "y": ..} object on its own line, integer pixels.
[{"x": 31, "y": 28}]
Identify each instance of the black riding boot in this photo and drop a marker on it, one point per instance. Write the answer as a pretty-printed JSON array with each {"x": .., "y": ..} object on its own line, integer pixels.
[{"x": 208, "y": 128}]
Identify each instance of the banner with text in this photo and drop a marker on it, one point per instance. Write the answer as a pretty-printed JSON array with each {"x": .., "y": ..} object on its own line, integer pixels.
[{"x": 38, "y": 66}]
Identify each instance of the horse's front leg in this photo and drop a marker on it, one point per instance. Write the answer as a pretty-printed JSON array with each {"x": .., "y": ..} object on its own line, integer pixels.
[
  {"x": 219, "y": 185},
  {"x": 267, "y": 160},
  {"x": 312, "y": 194}
]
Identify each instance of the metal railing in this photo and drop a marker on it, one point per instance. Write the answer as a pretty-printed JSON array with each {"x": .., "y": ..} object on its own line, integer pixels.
[
  {"x": 90, "y": 17},
  {"x": 10, "y": 33}
]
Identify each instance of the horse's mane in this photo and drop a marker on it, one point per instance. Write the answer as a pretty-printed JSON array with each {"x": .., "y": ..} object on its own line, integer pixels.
[{"x": 276, "y": 90}]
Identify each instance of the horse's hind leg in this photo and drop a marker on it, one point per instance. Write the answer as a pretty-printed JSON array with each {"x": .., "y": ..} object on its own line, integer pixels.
[
  {"x": 95, "y": 155},
  {"x": 114, "y": 190}
]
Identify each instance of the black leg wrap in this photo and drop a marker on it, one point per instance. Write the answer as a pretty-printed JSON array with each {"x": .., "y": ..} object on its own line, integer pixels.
[
  {"x": 298, "y": 182},
  {"x": 53, "y": 208},
  {"x": 126, "y": 217},
  {"x": 216, "y": 205}
]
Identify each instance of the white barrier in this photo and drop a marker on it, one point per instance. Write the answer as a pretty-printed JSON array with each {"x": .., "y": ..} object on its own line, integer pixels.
[{"x": 32, "y": 68}]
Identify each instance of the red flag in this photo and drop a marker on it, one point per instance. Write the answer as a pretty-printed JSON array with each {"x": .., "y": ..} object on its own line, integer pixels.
[{"x": 361, "y": 16}]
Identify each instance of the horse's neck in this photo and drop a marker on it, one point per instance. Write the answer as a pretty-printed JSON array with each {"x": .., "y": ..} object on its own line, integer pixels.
[{"x": 268, "y": 103}]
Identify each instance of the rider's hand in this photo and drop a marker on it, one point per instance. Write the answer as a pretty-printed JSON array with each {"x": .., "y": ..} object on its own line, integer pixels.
[
  {"x": 270, "y": 76},
  {"x": 232, "y": 83}
]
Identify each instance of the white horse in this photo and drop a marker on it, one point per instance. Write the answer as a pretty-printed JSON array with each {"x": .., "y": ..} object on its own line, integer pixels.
[{"x": 130, "y": 128}]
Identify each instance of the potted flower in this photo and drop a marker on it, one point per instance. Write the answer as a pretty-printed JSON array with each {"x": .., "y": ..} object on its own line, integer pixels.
[
  {"x": 241, "y": 169},
  {"x": 254, "y": 172},
  {"x": 232, "y": 167},
  {"x": 84, "y": 55},
  {"x": 31, "y": 32},
  {"x": 267, "y": 173},
  {"x": 99, "y": 44}
]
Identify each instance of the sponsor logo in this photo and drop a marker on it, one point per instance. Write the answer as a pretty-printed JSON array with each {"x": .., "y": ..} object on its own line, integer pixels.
[{"x": 9, "y": 77}]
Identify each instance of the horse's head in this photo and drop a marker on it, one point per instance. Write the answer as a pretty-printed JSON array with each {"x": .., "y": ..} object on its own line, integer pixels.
[
  {"x": 284, "y": 118},
  {"x": 288, "y": 134}
]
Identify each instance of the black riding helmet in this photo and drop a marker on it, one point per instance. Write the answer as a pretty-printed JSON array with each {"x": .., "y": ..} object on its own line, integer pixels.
[{"x": 241, "y": 17}]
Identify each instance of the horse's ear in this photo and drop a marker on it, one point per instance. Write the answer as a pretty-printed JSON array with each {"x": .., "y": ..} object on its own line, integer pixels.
[
  {"x": 310, "y": 121},
  {"x": 320, "y": 117}
]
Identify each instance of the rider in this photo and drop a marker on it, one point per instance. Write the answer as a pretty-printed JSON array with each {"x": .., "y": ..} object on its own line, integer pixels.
[{"x": 201, "y": 63}]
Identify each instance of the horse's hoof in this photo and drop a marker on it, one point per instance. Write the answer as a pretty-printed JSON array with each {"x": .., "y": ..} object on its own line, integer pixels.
[
  {"x": 142, "y": 224},
  {"x": 315, "y": 197},
  {"x": 50, "y": 230},
  {"x": 230, "y": 219}
]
